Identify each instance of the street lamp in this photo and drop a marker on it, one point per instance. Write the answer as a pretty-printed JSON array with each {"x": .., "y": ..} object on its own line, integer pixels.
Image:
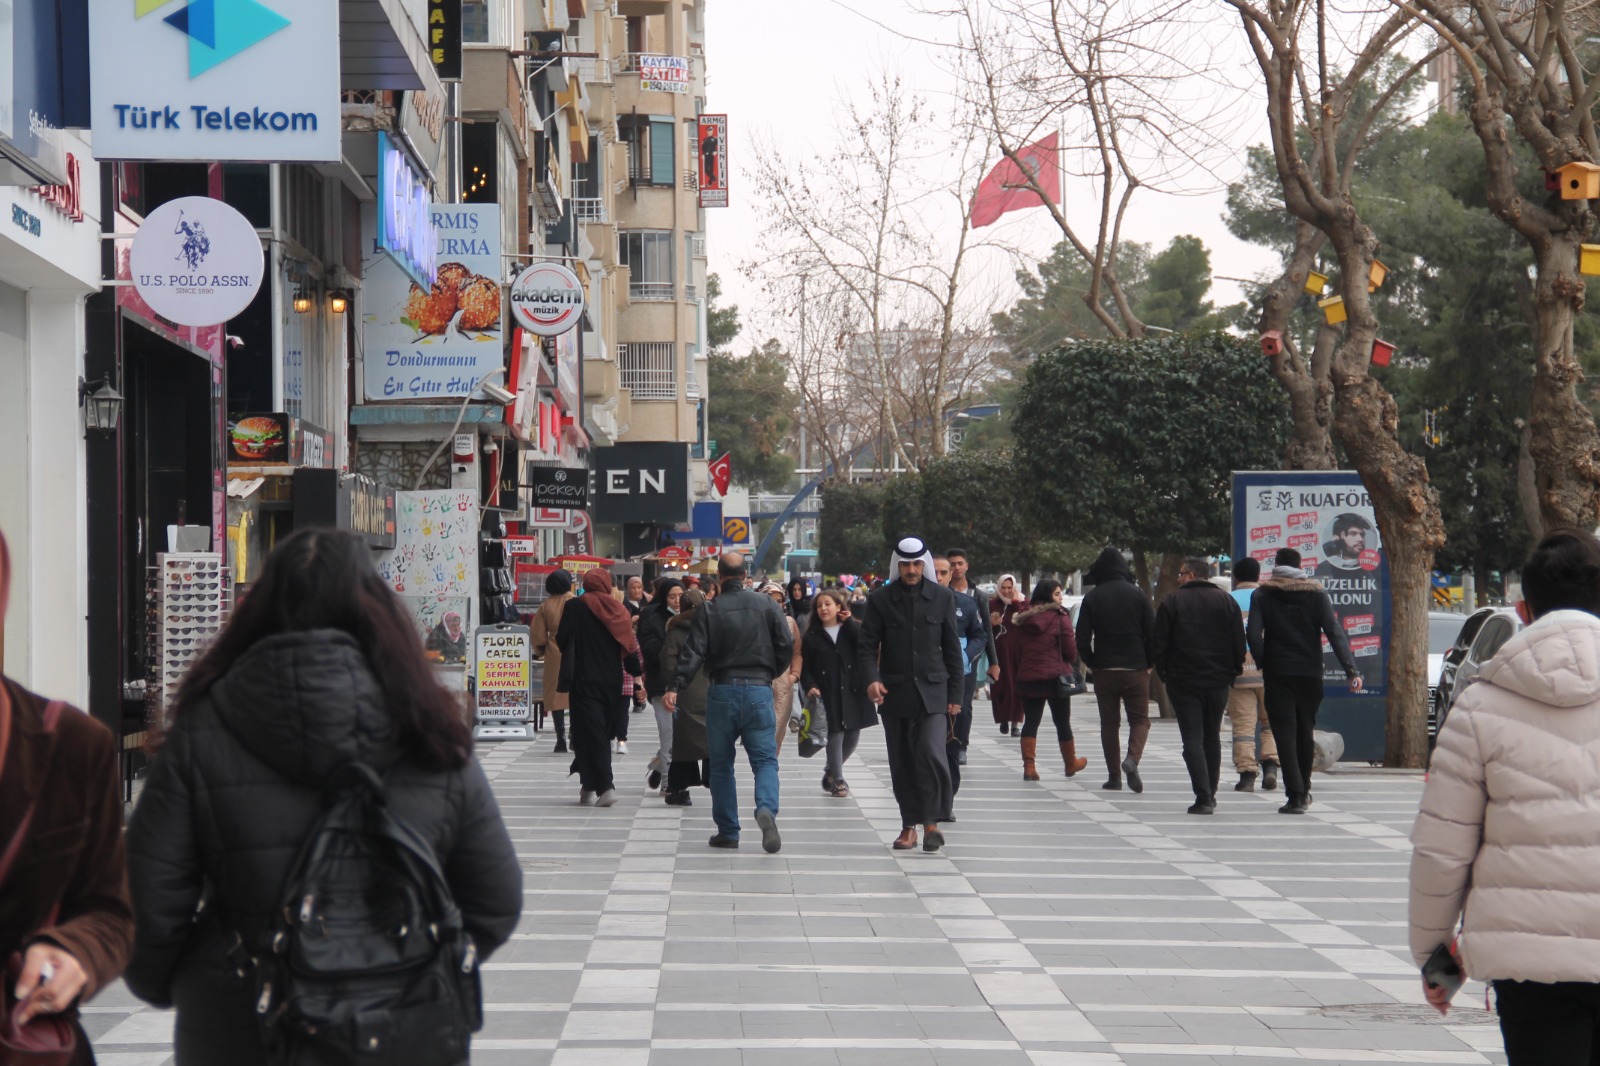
[
  {"x": 302, "y": 301},
  {"x": 339, "y": 301},
  {"x": 102, "y": 408}
]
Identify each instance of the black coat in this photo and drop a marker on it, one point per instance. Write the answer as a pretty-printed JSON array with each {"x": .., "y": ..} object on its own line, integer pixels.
[
  {"x": 1116, "y": 624},
  {"x": 231, "y": 797},
  {"x": 590, "y": 655},
  {"x": 1288, "y": 619},
  {"x": 1199, "y": 640},
  {"x": 652, "y": 633},
  {"x": 909, "y": 643},
  {"x": 831, "y": 667}
]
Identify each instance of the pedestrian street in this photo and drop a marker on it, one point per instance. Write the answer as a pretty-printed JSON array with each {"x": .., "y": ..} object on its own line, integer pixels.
[{"x": 1060, "y": 925}]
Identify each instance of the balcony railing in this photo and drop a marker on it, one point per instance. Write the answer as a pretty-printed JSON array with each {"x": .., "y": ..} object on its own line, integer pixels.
[
  {"x": 649, "y": 370},
  {"x": 652, "y": 291},
  {"x": 690, "y": 293},
  {"x": 697, "y": 247},
  {"x": 595, "y": 71},
  {"x": 691, "y": 180},
  {"x": 663, "y": 73},
  {"x": 590, "y": 209}
]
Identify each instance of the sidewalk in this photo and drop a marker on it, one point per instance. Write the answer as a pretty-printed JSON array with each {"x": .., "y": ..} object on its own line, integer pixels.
[{"x": 1061, "y": 925}]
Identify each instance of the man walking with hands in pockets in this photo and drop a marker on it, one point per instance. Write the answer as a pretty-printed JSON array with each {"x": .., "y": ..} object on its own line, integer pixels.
[{"x": 910, "y": 656}]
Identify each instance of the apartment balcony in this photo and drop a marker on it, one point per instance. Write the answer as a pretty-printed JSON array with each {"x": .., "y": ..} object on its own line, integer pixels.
[
  {"x": 652, "y": 292},
  {"x": 590, "y": 210},
  {"x": 594, "y": 70},
  {"x": 649, "y": 369}
]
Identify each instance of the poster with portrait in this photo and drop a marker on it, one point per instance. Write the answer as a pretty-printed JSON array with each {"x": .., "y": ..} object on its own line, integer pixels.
[
  {"x": 434, "y": 567},
  {"x": 1327, "y": 517},
  {"x": 712, "y": 149}
]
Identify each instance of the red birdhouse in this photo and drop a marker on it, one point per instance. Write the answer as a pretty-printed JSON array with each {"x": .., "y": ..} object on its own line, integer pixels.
[
  {"x": 1272, "y": 342},
  {"x": 1382, "y": 352}
]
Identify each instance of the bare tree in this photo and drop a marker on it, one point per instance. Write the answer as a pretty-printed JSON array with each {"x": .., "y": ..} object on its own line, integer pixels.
[
  {"x": 857, "y": 233},
  {"x": 1316, "y": 135},
  {"x": 1529, "y": 78}
]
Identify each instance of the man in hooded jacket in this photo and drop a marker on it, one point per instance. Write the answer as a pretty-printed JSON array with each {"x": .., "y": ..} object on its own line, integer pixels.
[{"x": 1116, "y": 638}]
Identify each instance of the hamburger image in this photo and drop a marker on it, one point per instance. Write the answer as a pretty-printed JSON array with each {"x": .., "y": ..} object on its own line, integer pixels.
[
  {"x": 480, "y": 304},
  {"x": 257, "y": 437}
]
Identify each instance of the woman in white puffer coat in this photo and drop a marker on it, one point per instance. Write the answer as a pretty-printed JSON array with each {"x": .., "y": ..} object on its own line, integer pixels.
[{"x": 1508, "y": 837}]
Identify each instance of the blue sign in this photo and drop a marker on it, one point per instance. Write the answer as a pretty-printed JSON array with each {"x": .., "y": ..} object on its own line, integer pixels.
[
  {"x": 706, "y": 523},
  {"x": 44, "y": 79},
  {"x": 405, "y": 216}
]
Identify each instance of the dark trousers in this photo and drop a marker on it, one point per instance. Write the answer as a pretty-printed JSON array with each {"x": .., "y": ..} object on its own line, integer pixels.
[
  {"x": 1549, "y": 1025},
  {"x": 591, "y": 740},
  {"x": 1116, "y": 692},
  {"x": 1060, "y": 713},
  {"x": 962, "y": 734},
  {"x": 617, "y": 722},
  {"x": 1292, "y": 704},
  {"x": 684, "y": 774},
  {"x": 561, "y": 723},
  {"x": 918, "y": 767},
  {"x": 1200, "y": 712}
]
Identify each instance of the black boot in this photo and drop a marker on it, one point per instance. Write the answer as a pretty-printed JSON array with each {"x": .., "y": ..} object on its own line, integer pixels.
[
  {"x": 1296, "y": 805},
  {"x": 1247, "y": 782},
  {"x": 561, "y": 744},
  {"x": 1269, "y": 776}
]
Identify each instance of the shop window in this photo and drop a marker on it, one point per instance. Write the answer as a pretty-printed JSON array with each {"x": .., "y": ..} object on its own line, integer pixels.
[{"x": 480, "y": 163}]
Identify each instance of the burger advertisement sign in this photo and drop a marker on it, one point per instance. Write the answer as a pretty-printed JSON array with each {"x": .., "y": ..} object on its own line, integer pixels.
[
  {"x": 436, "y": 342},
  {"x": 258, "y": 440},
  {"x": 547, "y": 299}
]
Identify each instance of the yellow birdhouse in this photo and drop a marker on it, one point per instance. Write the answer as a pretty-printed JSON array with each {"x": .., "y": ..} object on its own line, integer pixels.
[
  {"x": 1579, "y": 181},
  {"x": 1589, "y": 259},
  {"x": 1375, "y": 275},
  {"x": 1315, "y": 283},
  {"x": 1333, "y": 311}
]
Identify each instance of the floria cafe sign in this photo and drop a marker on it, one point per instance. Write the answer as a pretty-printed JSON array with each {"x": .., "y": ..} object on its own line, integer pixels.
[{"x": 215, "y": 80}]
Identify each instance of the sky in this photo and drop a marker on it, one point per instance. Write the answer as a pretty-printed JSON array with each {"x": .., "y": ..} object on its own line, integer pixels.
[{"x": 781, "y": 77}]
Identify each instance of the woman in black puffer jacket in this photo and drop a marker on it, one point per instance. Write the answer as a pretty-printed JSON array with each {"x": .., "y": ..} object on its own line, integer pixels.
[{"x": 320, "y": 666}]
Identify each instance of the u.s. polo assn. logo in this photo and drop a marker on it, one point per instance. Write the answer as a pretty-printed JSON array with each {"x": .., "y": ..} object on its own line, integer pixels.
[{"x": 217, "y": 30}]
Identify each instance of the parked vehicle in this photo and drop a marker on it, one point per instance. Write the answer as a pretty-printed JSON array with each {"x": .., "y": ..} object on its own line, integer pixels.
[
  {"x": 1484, "y": 633},
  {"x": 1444, "y": 630}
]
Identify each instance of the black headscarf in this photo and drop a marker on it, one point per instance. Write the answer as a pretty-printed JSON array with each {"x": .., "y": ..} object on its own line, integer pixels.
[{"x": 559, "y": 583}]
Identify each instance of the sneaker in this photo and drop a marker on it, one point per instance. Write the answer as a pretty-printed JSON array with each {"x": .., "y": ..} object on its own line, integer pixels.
[
  {"x": 840, "y": 790},
  {"x": 1269, "y": 776},
  {"x": 1247, "y": 782},
  {"x": 1130, "y": 770},
  {"x": 622, "y": 747},
  {"x": 585, "y": 797},
  {"x": 680, "y": 799},
  {"x": 652, "y": 777},
  {"x": 770, "y": 840},
  {"x": 606, "y": 798},
  {"x": 720, "y": 841},
  {"x": 1005, "y": 727}
]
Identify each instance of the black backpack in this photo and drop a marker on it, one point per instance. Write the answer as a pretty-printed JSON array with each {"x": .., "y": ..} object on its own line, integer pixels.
[{"x": 368, "y": 960}]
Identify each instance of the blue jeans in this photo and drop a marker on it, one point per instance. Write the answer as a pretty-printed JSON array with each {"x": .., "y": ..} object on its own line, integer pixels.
[{"x": 741, "y": 712}]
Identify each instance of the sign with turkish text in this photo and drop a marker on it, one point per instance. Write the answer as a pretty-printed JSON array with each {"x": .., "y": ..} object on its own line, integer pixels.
[
  {"x": 405, "y": 214},
  {"x": 713, "y": 150},
  {"x": 444, "y": 38},
  {"x": 547, "y": 299},
  {"x": 641, "y": 483},
  {"x": 667, "y": 74},
  {"x": 504, "y": 671},
  {"x": 1327, "y": 517},
  {"x": 211, "y": 80},
  {"x": 558, "y": 488},
  {"x": 197, "y": 261},
  {"x": 436, "y": 341}
]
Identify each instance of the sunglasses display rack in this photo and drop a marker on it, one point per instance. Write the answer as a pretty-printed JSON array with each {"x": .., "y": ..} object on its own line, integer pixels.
[{"x": 188, "y": 597}]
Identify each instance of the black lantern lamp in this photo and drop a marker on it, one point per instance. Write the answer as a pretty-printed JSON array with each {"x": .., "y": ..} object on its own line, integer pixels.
[
  {"x": 338, "y": 300},
  {"x": 102, "y": 406},
  {"x": 302, "y": 301}
]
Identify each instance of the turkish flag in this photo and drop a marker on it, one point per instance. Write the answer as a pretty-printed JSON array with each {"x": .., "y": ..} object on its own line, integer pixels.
[
  {"x": 1005, "y": 188},
  {"x": 721, "y": 471}
]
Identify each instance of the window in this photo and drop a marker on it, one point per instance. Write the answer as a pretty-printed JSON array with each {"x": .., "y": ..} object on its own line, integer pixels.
[
  {"x": 475, "y": 21},
  {"x": 651, "y": 149},
  {"x": 648, "y": 255},
  {"x": 1495, "y": 633}
]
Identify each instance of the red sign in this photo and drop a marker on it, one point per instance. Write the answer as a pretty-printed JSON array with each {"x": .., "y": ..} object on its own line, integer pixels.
[
  {"x": 712, "y": 141},
  {"x": 674, "y": 554},
  {"x": 68, "y": 198},
  {"x": 721, "y": 471}
]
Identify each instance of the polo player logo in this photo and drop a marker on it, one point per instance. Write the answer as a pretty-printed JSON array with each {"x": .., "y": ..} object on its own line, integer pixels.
[{"x": 196, "y": 245}]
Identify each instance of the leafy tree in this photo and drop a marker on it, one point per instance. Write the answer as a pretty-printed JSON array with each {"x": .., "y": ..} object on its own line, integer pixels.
[
  {"x": 1132, "y": 442},
  {"x": 751, "y": 414},
  {"x": 976, "y": 500},
  {"x": 722, "y": 323},
  {"x": 850, "y": 532},
  {"x": 1175, "y": 285}
]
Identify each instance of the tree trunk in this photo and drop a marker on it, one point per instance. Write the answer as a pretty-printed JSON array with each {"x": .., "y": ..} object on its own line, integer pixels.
[
  {"x": 1527, "y": 485},
  {"x": 1564, "y": 443},
  {"x": 1405, "y": 736},
  {"x": 1310, "y": 446}
]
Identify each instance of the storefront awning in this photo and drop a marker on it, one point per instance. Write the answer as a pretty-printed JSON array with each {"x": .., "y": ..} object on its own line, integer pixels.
[{"x": 381, "y": 46}]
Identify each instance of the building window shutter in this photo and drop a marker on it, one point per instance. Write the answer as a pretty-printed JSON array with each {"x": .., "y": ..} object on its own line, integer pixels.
[{"x": 661, "y": 151}]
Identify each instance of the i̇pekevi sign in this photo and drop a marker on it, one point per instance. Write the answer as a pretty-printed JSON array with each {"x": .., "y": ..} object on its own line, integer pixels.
[{"x": 215, "y": 80}]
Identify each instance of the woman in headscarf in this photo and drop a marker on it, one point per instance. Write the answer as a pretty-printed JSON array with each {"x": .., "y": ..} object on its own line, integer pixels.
[
  {"x": 828, "y": 670},
  {"x": 546, "y": 623},
  {"x": 652, "y": 630},
  {"x": 63, "y": 871},
  {"x": 783, "y": 684},
  {"x": 798, "y": 606},
  {"x": 688, "y": 767},
  {"x": 1004, "y": 700},
  {"x": 597, "y": 646}
]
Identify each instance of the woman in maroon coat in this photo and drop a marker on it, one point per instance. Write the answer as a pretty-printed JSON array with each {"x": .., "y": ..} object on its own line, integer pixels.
[
  {"x": 1003, "y": 698},
  {"x": 1046, "y": 649}
]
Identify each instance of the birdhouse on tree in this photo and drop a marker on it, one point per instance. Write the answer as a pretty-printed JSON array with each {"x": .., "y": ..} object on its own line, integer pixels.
[
  {"x": 1589, "y": 259},
  {"x": 1315, "y": 283},
  {"x": 1579, "y": 181},
  {"x": 1333, "y": 311},
  {"x": 1376, "y": 272},
  {"x": 1272, "y": 342},
  {"x": 1382, "y": 352}
]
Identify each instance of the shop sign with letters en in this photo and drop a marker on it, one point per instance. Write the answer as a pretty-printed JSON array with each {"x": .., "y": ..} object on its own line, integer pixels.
[{"x": 196, "y": 261}]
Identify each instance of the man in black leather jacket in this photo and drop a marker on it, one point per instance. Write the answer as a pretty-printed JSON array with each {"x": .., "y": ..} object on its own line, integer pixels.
[{"x": 742, "y": 640}]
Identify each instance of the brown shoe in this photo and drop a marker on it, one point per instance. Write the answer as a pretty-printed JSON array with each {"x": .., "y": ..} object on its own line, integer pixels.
[
  {"x": 932, "y": 838},
  {"x": 1030, "y": 750},
  {"x": 1069, "y": 757},
  {"x": 906, "y": 840}
]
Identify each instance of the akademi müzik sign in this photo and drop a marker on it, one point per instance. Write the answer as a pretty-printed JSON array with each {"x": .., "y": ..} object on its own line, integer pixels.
[{"x": 547, "y": 299}]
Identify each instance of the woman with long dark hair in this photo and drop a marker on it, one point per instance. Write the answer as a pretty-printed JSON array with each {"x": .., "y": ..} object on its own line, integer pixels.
[
  {"x": 828, "y": 669},
  {"x": 1004, "y": 701},
  {"x": 689, "y": 767},
  {"x": 1046, "y": 649},
  {"x": 597, "y": 645},
  {"x": 321, "y": 666},
  {"x": 798, "y": 605}
]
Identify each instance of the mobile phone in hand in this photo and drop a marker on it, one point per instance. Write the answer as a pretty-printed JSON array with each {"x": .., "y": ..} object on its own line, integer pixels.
[{"x": 1443, "y": 970}]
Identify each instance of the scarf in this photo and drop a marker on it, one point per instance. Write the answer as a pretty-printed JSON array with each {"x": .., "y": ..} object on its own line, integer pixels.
[
  {"x": 606, "y": 607},
  {"x": 912, "y": 550},
  {"x": 1016, "y": 596}
]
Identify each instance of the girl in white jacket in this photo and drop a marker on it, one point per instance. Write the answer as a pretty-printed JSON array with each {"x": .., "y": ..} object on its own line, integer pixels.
[{"x": 1507, "y": 842}]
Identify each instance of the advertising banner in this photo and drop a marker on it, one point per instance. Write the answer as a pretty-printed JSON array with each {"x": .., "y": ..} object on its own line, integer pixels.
[
  {"x": 435, "y": 343},
  {"x": 667, "y": 74},
  {"x": 558, "y": 488},
  {"x": 434, "y": 565},
  {"x": 504, "y": 672},
  {"x": 43, "y": 89},
  {"x": 1327, "y": 517},
  {"x": 713, "y": 149},
  {"x": 547, "y": 299},
  {"x": 641, "y": 483},
  {"x": 197, "y": 261},
  {"x": 241, "y": 80},
  {"x": 444, "y": 38}
]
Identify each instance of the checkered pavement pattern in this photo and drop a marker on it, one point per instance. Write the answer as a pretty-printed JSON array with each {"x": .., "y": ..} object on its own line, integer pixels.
[{"x": 1061, "y": 925}]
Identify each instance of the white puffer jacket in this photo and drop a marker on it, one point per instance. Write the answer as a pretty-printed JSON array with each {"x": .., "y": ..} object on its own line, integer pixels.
[{"x": 1510, "y": 819}]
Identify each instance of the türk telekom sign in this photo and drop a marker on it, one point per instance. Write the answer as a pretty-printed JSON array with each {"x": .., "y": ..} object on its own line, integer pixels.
[{"x": 547, "y": 299}]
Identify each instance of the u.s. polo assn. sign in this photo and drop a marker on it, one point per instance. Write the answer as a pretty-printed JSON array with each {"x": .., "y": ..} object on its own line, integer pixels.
[{"x": 196, "y": 261}]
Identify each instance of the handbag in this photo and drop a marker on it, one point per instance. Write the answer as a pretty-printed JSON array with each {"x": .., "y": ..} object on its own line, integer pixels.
[
  {"x": 1072, "y": 684},
  {"x": 49, "y": 1039}
]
